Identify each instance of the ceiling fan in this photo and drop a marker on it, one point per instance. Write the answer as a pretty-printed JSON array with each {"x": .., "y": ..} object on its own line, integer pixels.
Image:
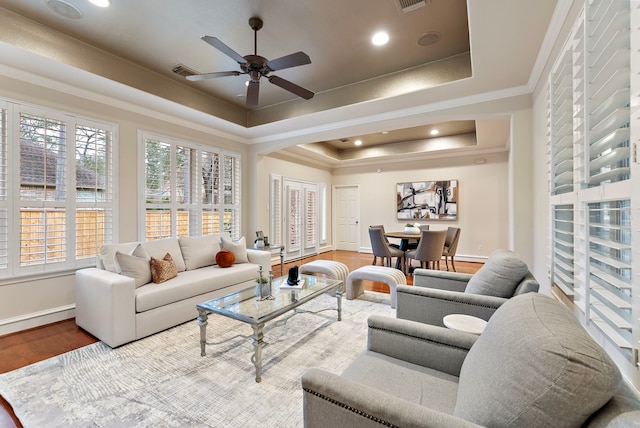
[{"x": 256, "y": 67}]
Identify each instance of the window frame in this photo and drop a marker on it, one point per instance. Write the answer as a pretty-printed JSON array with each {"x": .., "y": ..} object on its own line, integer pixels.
[{"x": 12, "y": 202}]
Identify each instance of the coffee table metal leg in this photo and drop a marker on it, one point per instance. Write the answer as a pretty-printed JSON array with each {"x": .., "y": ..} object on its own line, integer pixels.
[
  {"x": 202, "y": 322},
  {"x": 258, "y": 344},
  {"x": 339, "y": 299}
]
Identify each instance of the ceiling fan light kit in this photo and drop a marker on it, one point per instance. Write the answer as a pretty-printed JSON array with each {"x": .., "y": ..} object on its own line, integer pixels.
[{"x": 257, "y": 66}]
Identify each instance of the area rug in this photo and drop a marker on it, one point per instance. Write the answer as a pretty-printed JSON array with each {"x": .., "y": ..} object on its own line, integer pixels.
[{"x": 162, "y": 381}]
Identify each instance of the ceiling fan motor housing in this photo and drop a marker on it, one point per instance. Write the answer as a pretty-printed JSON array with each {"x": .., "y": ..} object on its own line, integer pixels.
[{"x": 255, "y": 66}]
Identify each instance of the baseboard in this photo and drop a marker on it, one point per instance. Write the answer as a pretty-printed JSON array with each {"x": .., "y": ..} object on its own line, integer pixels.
[{"x": 36, "y": 319}]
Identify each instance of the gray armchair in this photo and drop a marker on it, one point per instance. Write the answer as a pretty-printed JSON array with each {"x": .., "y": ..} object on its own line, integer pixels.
[
  {"x": 534, "y": 365},
  {"x": 438, "y": 293}
]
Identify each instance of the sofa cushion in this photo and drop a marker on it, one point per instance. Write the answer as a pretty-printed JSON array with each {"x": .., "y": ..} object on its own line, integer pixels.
[
  {"x": 225, "y": 258},
  {"x": 534, "y": 365},
  {"x": 163, "y": 269},
  {"x": 108, "y": 254},
  {"x": 136, "y": 265},
  {"x": 199, "y": 252},
  {"x": 238, "y": 248},
  {"x": 194, "y": 283},
  {"x": 158, "y": 248},
  {"x": 499, "y": 276}
]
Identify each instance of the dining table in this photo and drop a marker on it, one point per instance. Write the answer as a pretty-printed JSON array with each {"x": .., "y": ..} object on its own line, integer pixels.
[{"x": 404, "y": 241}]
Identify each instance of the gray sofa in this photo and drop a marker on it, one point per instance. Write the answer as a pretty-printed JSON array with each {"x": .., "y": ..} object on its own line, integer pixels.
[
  {"x": 533, "y": 366},
  {"x": 437, "y": 293},
  {"x": 116, "y": 302}
]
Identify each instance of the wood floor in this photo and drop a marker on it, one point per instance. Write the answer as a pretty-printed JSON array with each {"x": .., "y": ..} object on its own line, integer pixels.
[{"x": 37, "y": 344}]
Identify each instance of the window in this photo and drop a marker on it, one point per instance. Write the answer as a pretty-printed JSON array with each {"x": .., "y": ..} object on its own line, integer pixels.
[
  {"x": 56, "y": 190},
  {"x": 590, "y": 171},
  {"x": 189, "y": 190}
]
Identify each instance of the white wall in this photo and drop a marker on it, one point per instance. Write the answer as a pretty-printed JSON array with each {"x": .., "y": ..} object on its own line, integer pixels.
[{"x": 483, "y": 192}]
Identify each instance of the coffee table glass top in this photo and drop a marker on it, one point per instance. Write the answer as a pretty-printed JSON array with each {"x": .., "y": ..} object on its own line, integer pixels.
[{"x": 243, "y": 305}]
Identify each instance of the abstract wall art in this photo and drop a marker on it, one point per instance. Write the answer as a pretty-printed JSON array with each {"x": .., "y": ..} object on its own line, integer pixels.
[{"x": 427, "y": 200}]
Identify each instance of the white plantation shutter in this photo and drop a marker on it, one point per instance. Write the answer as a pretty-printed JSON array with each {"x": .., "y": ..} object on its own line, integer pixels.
[
  {"x": 231, "y": 202},
  {"x": 610, "y": 268},
  {"x": 189, "y": 190},
  {"x": 311, "y": 217},
  {"x": 158, "y": 195},
  {"x": 275, "y": 205},
  {"x": 562, "y": 126},
  {"x": 563, "y": 254},
  {"x": 609, "y": 78},
  {"x": 4, "y": 224},
  {"x": 94, "y": 188},
  {"x": 294, "y": 232}
]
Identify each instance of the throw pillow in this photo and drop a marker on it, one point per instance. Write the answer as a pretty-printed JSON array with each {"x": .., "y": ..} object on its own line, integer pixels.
[
  {"x": 108, "y": 254},
  {"x": 160, "y": 247},
  {"x": 534, "y": 365},
  {"x": 136, "y": 265},
  {"x": 164, "y": 269},
  {"x": 238, "y": 248},
  {"x": 199, "y": 252},
  {"x": 499, "y": 276},
  {"x": 225, "y": 258}
]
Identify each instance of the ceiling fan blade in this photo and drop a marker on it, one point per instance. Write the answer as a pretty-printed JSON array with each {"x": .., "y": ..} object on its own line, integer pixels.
[
  {"x": 252, "y": 93},
  {"x": 291, "y": 87},
  {"x": 216, "y": 43},
  {"x": 204, "y": 76},
  {"x": 288, "y": 61}
]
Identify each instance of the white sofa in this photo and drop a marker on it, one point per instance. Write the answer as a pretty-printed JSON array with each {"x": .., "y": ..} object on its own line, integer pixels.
[{"x": 118, "y": 309}]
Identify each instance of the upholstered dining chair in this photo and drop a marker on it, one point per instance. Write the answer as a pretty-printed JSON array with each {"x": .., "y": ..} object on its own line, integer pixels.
[
  {"x": 429, "y": 251},
  {"x": 413, "y": 243},
  {"x": 451, "y": 246},
  {"x": 381, "y": 227},
  {"x": 381, "y": 248}
]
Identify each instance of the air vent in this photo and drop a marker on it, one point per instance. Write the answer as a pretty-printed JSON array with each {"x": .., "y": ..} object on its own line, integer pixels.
[
  {"x": 183, "y": 70},
  {"x": 409, "y": 5}
]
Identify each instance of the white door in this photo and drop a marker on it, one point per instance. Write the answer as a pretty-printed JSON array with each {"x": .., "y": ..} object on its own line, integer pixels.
[{"x": 347, "y": 203}]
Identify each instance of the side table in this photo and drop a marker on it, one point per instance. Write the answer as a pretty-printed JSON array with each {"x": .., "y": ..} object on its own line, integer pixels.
[{"x": 466, "y": 323}]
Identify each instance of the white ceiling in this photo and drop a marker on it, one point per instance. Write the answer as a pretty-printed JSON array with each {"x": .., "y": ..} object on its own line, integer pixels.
[{"x": 357, "y": 85}]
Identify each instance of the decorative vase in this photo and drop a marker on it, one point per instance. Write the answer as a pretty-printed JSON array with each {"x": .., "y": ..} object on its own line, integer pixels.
[
  {"x": 259, "y": 244},
  {"x": 412, "y": 230},
  {"x": 263, "y": 290}
]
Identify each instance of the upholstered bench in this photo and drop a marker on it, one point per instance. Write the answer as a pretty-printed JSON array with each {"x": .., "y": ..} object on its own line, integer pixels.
[
  {"x": 330, "y": 268},
  {"x": 390, "y": 276}
]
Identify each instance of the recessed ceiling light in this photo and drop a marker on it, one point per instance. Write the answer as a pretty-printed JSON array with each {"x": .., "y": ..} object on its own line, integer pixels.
[
  {"x": 380, "y": 38},
  {"x": 358, "y": 142},
  {"x": 385, "y": 132},
  {"x": 101, "y": 3},
  {"x": 64, "y": 8},
  {"x": 434, "y": 132}
]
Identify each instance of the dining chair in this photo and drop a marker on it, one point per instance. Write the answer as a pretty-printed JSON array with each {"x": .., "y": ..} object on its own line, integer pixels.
[
  {"x": 381, "y": 248},
  {"x": 429, "y": 251},
  {"x": 381, "y": 227},
  {"x": 451, "y": 246},
  {"x": 413, "y": 243}
]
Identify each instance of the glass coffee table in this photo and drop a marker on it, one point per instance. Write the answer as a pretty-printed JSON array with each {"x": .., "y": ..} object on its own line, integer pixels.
[{"x": 243, "y": 306}]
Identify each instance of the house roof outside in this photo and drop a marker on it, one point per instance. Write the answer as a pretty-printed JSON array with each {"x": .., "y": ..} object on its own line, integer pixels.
[{"x": 34, "y": 171}]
